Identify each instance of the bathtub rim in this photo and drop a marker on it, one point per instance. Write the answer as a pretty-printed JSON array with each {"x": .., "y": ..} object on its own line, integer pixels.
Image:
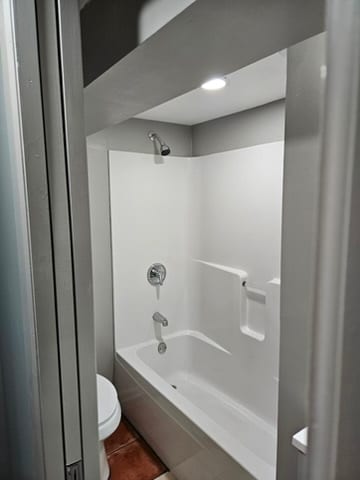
[{"x": 247, "y": 459}]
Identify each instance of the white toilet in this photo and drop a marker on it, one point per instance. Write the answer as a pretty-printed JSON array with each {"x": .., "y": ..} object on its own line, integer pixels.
[{"x": 109, "y": 416}]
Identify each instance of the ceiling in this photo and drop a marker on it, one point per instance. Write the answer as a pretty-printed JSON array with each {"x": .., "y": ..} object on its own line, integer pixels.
[
  {"x": 207, "y": 37},
  {"x": 259, "y": 83}
]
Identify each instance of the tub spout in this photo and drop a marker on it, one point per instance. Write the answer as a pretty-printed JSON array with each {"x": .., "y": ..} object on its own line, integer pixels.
[{"x": 157, "y": 317}]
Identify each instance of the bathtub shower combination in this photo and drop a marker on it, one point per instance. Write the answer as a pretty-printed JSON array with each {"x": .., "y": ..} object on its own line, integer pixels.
[{"x": 196, "y": 261}]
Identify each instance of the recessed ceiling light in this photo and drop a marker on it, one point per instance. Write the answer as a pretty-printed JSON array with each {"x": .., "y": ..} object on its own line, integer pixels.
[{"x": 214, "y": 84}]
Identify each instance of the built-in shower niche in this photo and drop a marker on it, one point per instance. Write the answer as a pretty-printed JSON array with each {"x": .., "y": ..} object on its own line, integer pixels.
[
  {"x": 240, "y": 307},
  {"x": 253, "y": 312}
]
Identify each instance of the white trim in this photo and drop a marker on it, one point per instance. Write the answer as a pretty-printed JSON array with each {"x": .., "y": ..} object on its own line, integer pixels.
[{"x": 166, "y": 476}]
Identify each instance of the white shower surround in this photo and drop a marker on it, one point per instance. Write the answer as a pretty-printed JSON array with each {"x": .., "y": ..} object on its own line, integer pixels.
[{"x": 213, "y": 221}]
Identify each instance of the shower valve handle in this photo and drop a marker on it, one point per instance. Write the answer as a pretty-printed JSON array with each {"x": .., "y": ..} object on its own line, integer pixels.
[{"x": 156, "y": 274}]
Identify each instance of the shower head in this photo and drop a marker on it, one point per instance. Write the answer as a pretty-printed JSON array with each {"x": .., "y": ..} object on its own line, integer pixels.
[{"x": 164, "y": 149}]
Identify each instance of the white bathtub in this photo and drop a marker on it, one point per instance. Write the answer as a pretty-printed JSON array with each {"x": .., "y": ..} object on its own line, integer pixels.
[{"x": 200, "y": 427}]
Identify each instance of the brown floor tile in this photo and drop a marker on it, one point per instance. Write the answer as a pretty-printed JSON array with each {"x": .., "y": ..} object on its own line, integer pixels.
[
  {"x": 135, "y": 461},
  {"x": 122, "y": 436}
]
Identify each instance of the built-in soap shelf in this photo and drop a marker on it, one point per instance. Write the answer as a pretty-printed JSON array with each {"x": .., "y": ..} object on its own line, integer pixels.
[
  {"x": 250, "y": 302},
  {"x": 254, "y": 293},
  {"x": 253, "y": 311}
]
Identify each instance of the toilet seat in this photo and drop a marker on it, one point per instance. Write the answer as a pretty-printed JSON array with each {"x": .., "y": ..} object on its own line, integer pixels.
[{"x": 109, "y": 410}]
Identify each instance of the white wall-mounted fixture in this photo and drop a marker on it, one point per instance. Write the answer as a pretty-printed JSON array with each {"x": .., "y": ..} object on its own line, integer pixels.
[
  {"x": 300, "y": 440},
  {"x": 214, "y": 84},
  {"x": 156, "y": 274}
]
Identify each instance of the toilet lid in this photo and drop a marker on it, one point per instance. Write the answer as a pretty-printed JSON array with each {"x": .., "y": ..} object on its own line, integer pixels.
[{"x": 107, "y": 399}]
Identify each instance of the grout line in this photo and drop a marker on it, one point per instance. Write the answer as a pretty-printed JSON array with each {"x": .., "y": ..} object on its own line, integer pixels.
[{"x": 120, "y": 447}]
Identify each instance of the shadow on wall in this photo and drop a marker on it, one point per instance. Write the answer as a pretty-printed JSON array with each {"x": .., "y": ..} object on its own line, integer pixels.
[
  {"x": 113, "y": 28},
  {"x": 102, "y": 47}
]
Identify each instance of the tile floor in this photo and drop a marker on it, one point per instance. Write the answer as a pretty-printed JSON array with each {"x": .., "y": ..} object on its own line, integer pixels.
[{"x": 130, "y": 458}]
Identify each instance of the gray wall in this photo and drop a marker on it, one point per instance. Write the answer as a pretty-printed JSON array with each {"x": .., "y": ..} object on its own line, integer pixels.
[
  {"x": 263, "y": 124},
  {"x": 258, "y": 125},
  {"x": 299, "y": 239},
  {"x": 132, "y": 136},
  {"x": 98, "y": 174}
]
